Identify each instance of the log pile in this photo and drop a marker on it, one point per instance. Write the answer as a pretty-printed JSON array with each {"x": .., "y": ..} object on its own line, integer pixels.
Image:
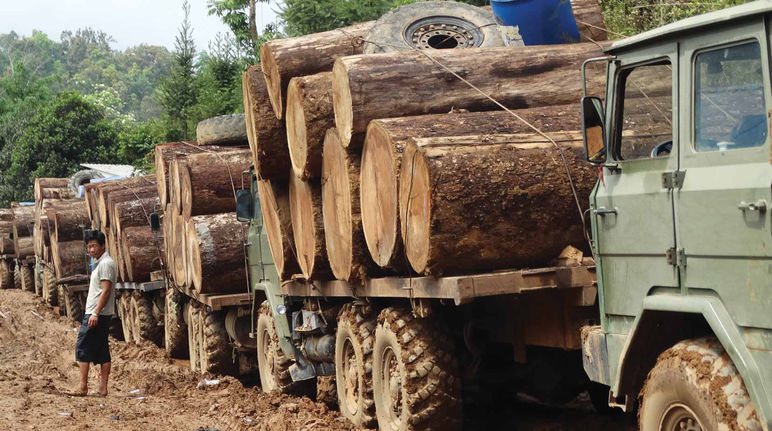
[{"x": 394, "y": 163}]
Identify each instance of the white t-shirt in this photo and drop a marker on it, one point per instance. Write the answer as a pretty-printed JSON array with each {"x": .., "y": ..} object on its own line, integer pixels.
[{"x": 104, "y": 270}]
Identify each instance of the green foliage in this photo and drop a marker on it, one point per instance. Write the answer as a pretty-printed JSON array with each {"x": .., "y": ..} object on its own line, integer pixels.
[{"x": 629, "y": 17}]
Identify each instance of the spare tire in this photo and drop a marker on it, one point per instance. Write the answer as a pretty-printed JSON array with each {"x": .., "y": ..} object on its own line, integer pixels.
[
  {"x": 435, "y": 25},
  {"x": 222, "y": 130},
  {"x": 82, "y": 177}
]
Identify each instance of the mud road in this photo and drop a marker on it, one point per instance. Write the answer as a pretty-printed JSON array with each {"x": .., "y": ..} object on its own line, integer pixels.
[{"x": 151, "y": 392}]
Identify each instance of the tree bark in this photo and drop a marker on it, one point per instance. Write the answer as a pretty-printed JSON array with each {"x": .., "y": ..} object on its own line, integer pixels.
[
  {"x": 275, "y": 207},
  {"x": 54, "y": 193},
  {"x": 69, "y": 258},
  {"x": 284, "y": 59},
  {"x": 6, "y": 231},
  {"x": 483, "y": 203},
  {"x": 22, "y": 217},
  {"x": 208, "y": 184},
  {"x": 308, "y": 228},
  {"x": 382, "y": 157},
  {"x": 589, "y": 20},
  {"x": 6, "y": 215},
  {"x": 266, "y": 133},
  {"x": 309, "y": 116},
  {"x": 164, "y": 154},
  {"x": 48, "y": 183},
  {"x": 140, "y": 253},
  {"x": 408, "y": 83},
  {"x": 107, "y": 187},
  {"x": 69, "y": 223},
  {"x": 24, "y": 247},
  {"x": 134, "y": 195},
  {"x": 215, "y": 242},
  {"x": 344, "y": 239},
  {"x": 477, "y": 204},
  {"x": 134, "y": 213}
]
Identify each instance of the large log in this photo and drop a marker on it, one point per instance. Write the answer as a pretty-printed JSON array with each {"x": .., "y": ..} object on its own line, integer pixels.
[
  {"x": 54, "y": 193},
  {"x": 344, "y": 239},
  {"x": 266, "y": 133},
  {"x": 589, "y": 20},
  {"x": 141, "y": 253},
  {"x": 275, "y": 207},
  {"x": 89, "y": 195},
  {"x": 125, "y": 185},
  {"x": 176, "y": 168},
  {"x": 48, "y": 183},
  {"x": 382, "y": 157},
  {"x": 6, "y": 215},
  {"x": 216, "y": 245},
  {"x": 134, "y": 213},
  {"x": 398, "y": 84},
  {"x": 284, "y": 59},
  {"x": 308, "y": 228},
  {"x": 482, "y": 203},
  {"x": 137, "y": 195},
  {"x": 309, "y": 116},
  {"x": 6, "y": 232},
  {"x": 69, "y": 258},
  {"x": 209, "y": 184},
  {"x": 69, "y": 223},
  {"x": 164, "y": 154},
  {"x": 168, "y": 228},
  {"x": 23, "y": 216},
  {"x": 178, "y": 248},
  {"x": 23, "y": 247}
]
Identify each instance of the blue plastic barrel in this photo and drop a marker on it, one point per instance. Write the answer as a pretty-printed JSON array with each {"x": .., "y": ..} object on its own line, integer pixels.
[{"x": 541, "y": 22}]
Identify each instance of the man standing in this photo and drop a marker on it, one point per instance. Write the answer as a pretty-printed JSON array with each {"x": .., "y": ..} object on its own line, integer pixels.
[{"x": 92, "y": 345}]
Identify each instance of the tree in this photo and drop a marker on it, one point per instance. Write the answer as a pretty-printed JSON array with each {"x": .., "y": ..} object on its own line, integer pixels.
[
  {"x": 177, "y": 93},
  {"x": 239, "y": 15}
]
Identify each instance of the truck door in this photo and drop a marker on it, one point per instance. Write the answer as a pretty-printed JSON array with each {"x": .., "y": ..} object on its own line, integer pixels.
[
  {"x": 634, "y": 218},
  {"x": 723, "y": 206}
]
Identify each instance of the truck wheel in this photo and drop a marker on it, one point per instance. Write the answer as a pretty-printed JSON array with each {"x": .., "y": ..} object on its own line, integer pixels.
[
  {"x": 433, "y": 25},
  {"x": 49, "y": 288},
  {"x": 215, "y": 350},
  {"x": 17, "y": 277},
  {"x": 416, "y": 383},
  {"x": 73, "y": 306},
  {"x": 327, "y": 391},
  {"x": 193, "y": 335},
  {"x": 124, "y": 312},
  {"x": 38, "y": 281},
  {"x": 222, "y": 130},
  {"x": 116, "y": 328},
  {"x": 695, "y": 386},
  {"x": 145, "y": 324},
  {"x": 271, "y": 362},
  {"x": 6, "y": 275},
  {"x": 354, "y": 364},
  {"x": 175, "y": 330},
  {"x": 60, "y": 294},
  {"x": 26, "y": 278}
]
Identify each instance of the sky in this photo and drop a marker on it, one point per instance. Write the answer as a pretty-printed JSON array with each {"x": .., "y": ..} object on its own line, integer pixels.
[{"x": 129, "y": 22}]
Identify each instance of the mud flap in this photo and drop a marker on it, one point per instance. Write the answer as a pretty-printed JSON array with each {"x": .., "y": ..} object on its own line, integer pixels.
[{"x": 595, "y": 354}]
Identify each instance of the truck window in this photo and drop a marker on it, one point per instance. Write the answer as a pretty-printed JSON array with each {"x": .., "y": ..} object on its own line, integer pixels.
[
  {"x": 730, "y": 110},
  {"x": 646, "y": 111}
]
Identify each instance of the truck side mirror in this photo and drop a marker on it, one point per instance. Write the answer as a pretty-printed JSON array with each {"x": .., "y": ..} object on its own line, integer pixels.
[
  {"x": 593, "y": 129},
  {"x": 155, "y": 222},
  {"x": 243, "y": 205}
]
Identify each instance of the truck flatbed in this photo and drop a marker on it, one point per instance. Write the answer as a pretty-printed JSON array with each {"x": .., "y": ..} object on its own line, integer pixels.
[
  {"x": 217, "y": 301},
  {"x": 462, "y": 289},
  {"x": 142, "y": 287}
]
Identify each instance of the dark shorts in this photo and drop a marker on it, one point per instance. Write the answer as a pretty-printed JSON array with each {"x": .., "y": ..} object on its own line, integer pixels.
[{"x": 92, "y": 345}]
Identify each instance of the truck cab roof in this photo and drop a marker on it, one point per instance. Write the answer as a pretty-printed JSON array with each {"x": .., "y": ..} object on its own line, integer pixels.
[{"x": 675, "y": 29}]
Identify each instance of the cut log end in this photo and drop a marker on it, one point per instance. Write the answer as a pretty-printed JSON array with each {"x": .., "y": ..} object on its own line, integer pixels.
[
  {"x": 274, "y": 204},
  {"x": 272, "y": 79},
  {"x": 415, "y": 207},
  {"x": 378, "y": 191},
  {"x": 194, "y": 270},
  {"x": 336, "y": 206},
  {"x": 344, "y": 114},
  {"x": 296, "y": 129},
  {"x": 308, "y": 227}
]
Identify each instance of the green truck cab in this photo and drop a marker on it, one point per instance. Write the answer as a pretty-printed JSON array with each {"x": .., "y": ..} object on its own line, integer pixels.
[{"x": 681, "y": 223}]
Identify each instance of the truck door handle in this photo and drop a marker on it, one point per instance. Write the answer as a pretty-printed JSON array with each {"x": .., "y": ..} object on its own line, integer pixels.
[
  {"x": 603, "y": 211},
  {"x": 760, "y": 206}
]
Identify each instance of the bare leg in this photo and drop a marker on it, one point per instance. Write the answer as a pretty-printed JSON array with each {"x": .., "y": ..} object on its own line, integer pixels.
[
  {"x": 83, "y": 386},
  {"x": 105, "y": 375}
]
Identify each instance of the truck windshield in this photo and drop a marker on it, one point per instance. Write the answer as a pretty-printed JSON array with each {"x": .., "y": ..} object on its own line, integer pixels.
[{"x": 730, "y": 110}]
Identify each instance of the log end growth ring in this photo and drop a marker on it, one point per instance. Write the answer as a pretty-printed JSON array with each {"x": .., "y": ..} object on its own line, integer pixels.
[
  {"x": 302, "y": 214},
  {"x": 270, "y": 210},
  {"x": 336, "y": 206},
  {"x": 415, "y": 207},
  {"x": 378, "y": 195},
  {"x": 297, "y": 141},
  {"x": 194, "y": 270},
  {"x": 272, "y": 79},
  {"x": 341, "y": 96}
]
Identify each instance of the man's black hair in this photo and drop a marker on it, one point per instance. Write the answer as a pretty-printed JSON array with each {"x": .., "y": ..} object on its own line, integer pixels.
[{"x": 94, "y": 235}]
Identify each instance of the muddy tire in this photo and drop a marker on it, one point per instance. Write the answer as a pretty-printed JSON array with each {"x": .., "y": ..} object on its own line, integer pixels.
[
  {"x": 38, "y": 281},
  {"x": 222, "y": 130},
  {"x": 72, "y": 305},
  {"x": 17, "y": 276},
  {"x": 416, "y": 384},
  {"x": 272, "y": 364},
  {"x": 6, "y": 275},
  {"x": 127, "y": 321},
  {"x": 50, "y": 293},
  {"x": 354, "y": 341},
  {"x": 145, "y": 324},
  {"x": 194, "y": 338},
  {"x": 175, "y": 329},
  {"x": 695, "y": 385},
  {"x": 216, "y": 352},
  {"x": 116, "y": 328},
  {"x": 327, "y": 391},
  {"x": 454, "y": 25},
  {"x": 26, "y": 278},
  {"x": 60, "y": 294}
]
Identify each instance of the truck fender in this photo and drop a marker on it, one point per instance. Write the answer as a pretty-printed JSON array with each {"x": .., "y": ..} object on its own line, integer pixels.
[
  {"x": 726, "y": 331},
  {"x": 280, "y": 320}
]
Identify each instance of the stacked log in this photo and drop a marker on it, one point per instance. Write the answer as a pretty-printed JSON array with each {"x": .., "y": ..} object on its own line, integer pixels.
[
  {"x": 266, "y": 134},
  {"x": 305, "y": 197},
  {"x": 139, "y": 254},
  {"x": 275, "y": 208},
  {"x": 164, "y": 154},
  {"x": 69, "y": 258},
  {"x": 217, "y": 262},
  {"x": 6, "y": 232},
  {"x": 209, "y": 182},
  {"x": 309, "y": 116},
  {"x": 481, "y": 203},
  {"x": 23, "y": 218}
]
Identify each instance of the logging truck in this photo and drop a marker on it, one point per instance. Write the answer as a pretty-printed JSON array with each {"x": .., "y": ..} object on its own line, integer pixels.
[{"x": 389, "y": 272}]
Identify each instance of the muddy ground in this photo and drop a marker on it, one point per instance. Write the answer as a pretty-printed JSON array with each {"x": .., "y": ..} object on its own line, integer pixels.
[{"x": 148, "y": 391}]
